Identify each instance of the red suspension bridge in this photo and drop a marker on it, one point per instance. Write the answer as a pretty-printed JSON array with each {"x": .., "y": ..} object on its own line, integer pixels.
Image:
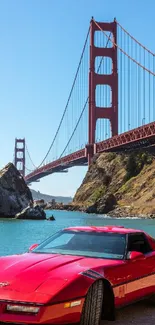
[{"x": 111, "y": 105}]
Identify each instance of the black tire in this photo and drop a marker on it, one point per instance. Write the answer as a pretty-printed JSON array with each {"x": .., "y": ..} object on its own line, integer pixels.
[
  {"x": 151, "y": 300},
  {"x": 92, "y": 309}
]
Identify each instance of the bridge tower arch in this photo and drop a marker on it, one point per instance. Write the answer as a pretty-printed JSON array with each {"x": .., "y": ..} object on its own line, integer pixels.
[
  {"x": 95, "y": 79},
  {"x": 19, "y": 159}
]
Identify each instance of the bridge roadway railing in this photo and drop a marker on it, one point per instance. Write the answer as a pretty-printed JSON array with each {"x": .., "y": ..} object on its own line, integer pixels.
[{"x": 143, "y": 136}]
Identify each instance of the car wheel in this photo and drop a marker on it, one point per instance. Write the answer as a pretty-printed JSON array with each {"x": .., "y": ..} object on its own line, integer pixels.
[{"x": 92, "y": 308}]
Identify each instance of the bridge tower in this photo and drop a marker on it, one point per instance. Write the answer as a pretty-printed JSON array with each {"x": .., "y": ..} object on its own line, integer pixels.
[
  {"x": 19, "y": 159},
  {"x": 95, "y": 79}
]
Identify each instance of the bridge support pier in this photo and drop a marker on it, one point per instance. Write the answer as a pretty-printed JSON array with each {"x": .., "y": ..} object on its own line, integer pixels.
[
  {"x": 89, "y": 152},
  {"x": 95, "y": 79},
  {"x": 20, "y": 155}
]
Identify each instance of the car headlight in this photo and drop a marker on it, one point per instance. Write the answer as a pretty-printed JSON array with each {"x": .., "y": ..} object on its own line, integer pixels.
[{"x": 22, "y": 309}]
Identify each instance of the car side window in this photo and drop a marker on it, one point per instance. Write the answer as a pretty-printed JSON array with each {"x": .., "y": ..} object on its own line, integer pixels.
[{"x": 138, "y": 243}]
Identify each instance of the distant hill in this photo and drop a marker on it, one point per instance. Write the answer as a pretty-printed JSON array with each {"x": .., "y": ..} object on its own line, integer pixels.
[{"x": 47, "y": 198}]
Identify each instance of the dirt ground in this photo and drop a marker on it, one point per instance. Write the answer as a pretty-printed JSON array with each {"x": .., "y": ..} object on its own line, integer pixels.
[{"x": 141, "y": 313}]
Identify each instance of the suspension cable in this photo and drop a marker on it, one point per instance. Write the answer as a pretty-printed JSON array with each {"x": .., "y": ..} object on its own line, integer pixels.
[
  {"x": 75, "y": 128},
  {"x": 67, "y": 100},
  {"x": 134, "y": 39},
  {"x": 83, "y": 108},
  {"x": 30, "y": 156},
  {"x": 29, "y": 170},
  {"x": 129, "y": 57}
]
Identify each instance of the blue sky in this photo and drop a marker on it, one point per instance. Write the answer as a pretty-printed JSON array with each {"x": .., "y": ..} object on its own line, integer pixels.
[{"x": 40, "y": 46}]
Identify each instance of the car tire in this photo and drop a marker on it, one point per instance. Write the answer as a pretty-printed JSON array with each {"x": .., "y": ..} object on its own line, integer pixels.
[
  {"x": 92, "y": 308},
  {"x": 152, "y": 300}
]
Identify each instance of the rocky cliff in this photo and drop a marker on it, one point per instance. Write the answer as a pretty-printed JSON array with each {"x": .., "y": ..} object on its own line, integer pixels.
[
  {"x": 14, "y": 193},
  {"x": 119, "y": 184}
]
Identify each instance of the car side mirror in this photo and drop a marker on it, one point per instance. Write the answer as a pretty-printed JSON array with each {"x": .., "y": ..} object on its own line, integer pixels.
[
  {"x": 32, "y": 247},
  {"x": 134, "y": 255}
]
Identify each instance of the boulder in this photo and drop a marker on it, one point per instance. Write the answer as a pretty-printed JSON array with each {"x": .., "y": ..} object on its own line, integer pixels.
[
  {"x": 14, "y": 193},
  {"x": 92, "y": 208},
  {"x": 51, "y": 218},
  {"x": 104, "y": 205},
  {"x": 36, "y": 213}
]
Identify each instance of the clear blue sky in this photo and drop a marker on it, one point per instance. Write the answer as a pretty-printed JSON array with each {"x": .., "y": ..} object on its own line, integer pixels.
[{"x": 40, "y": 46}]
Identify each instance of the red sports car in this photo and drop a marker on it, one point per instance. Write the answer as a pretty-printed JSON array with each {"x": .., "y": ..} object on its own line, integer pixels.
[{"x": 78, "y": 275}]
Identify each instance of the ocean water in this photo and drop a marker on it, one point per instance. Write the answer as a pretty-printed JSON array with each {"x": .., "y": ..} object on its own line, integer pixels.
[{"x": 16, "y": 236}]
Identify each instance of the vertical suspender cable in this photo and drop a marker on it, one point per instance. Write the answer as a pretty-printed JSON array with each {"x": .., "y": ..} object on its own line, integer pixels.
[
  {"x": 149, "y": 89},
  {"x": 128, "y": 87},
  {"x": 121, "y": 90},
  {"x": 154, "y": 88},
  {"x": 124, "y": 84},
  {"x": 144, "y": 91}
]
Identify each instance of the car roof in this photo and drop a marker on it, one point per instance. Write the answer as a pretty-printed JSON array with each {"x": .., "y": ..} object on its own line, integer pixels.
[{"x": 109, "y": 228}]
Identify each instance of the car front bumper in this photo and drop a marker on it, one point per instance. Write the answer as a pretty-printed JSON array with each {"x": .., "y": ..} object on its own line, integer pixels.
[{"x": 51, "y": 314}]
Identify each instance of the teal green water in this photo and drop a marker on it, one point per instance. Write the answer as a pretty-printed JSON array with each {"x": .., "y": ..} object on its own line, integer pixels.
[{"x": 16, "y": 236}]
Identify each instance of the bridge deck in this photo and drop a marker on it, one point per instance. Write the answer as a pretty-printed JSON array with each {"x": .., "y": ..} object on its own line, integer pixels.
[{"x": 143, "y": 136}]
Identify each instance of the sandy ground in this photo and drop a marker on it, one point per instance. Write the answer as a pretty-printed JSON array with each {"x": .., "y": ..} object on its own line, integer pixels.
[{"x": 142, "y": 313}]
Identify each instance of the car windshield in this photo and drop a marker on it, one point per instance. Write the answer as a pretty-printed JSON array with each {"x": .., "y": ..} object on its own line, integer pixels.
[{"x": 82, "y": 243}]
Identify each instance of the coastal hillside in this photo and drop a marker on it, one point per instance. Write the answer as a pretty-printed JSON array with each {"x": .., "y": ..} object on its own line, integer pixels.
[
  {"x": 47, "y": 198},
  {"x": 121, "y": 183}
]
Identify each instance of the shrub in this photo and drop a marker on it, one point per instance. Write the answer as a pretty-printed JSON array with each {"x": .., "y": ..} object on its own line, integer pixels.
[
  {"x": 111, "y": 156},
  {"x": 98, "y": 193},
  {"x": 135, "y": 163}
]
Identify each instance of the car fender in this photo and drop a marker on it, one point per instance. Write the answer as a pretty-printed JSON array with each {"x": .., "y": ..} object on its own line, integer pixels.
[{"x": 78, "y": 287}]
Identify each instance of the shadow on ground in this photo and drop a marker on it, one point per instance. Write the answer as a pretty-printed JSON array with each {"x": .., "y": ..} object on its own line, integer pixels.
[{"x": 142, "y": 313}]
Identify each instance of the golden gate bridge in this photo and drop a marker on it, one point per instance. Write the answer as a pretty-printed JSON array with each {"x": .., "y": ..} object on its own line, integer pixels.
[{"x": 110, "y": 107}]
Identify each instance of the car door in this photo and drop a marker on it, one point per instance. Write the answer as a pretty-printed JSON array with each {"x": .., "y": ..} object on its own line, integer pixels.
[{"x": 141, "y": 270}]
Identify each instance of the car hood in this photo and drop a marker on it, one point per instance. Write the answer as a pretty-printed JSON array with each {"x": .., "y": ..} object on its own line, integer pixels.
[{"x": 31, "y": 272}]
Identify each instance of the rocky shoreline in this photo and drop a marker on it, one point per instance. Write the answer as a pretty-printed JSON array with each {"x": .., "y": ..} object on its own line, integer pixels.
[
  {"x": 117, "y": 212},
  {"x": 116, "y": 185}
]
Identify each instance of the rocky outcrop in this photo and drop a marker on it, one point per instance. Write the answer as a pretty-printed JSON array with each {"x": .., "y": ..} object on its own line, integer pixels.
[
  {"x": 119, "y": 185},
  {"x": 35, "y": 213},
  {"x": 41, "y": 203},
  {"x": 51, "y": 218},
  {"x": 52, "y": 205},
  {"x": 103, "y": 205},
  {"x": 14, "y": 193}
]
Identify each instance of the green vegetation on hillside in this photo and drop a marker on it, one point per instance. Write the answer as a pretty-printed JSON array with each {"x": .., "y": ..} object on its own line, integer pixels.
[{"x": 135, "y": 163}]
